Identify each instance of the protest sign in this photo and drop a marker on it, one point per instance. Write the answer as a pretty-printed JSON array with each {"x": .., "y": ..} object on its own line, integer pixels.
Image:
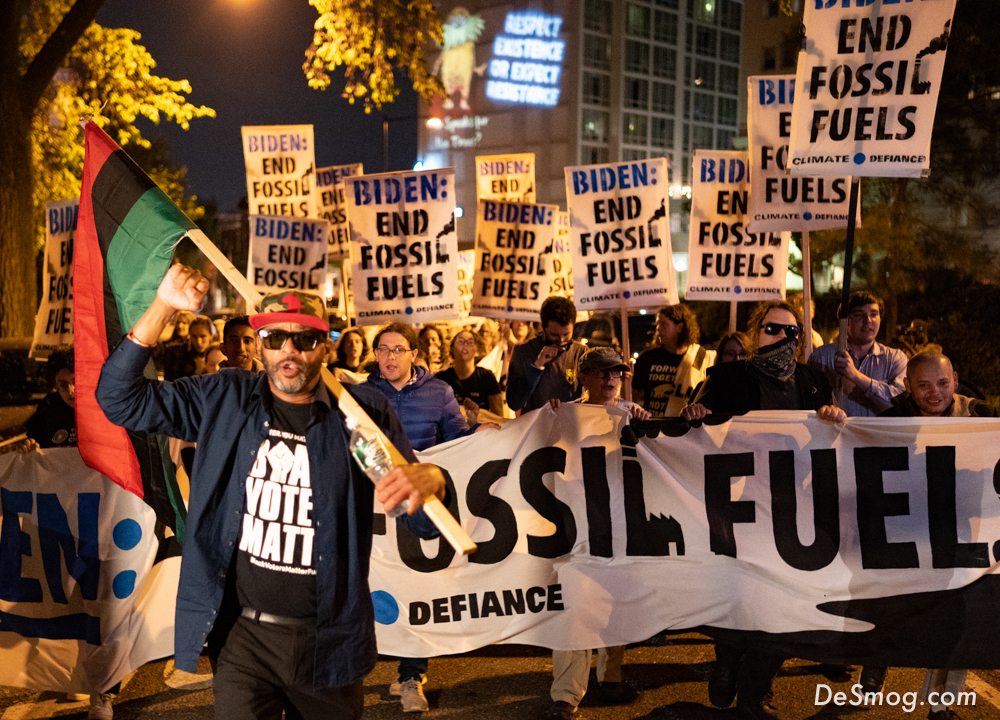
[
  {"x": 88, "y": 606},
  {"x": 868, "y": 541},
  {"x": 561, "y": 272},
  {"x": 280, "y": 162},
  {"x": 288, "y": 253},
  {"x": 466, "y": 273},
  {"x": 867, "y": 82},
  {"x": 506, "y": 177},
  {"x": 331, "y": 206},
  {"x": 404, "y": 249},
  {"x": 725, "y": 260},
  {"x": 778, "y": 201},
  {"x": 54, "y": 320},
  {"x": 513, "y": 258},
  {"x": 620, "y": 235}
]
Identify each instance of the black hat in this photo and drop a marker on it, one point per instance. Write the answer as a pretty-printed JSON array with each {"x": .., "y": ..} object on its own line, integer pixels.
[{"x": 602, "y": 358}]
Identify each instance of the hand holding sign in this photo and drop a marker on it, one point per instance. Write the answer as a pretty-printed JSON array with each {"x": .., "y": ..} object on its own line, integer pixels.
[{"x": 183, "y": 288}]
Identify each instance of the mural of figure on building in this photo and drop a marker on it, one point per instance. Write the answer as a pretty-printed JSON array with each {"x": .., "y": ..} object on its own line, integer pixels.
[{"x": 457, "y": 61}]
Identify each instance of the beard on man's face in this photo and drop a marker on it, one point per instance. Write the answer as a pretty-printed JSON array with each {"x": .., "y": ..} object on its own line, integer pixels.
[{"x": 291, "y": 384}]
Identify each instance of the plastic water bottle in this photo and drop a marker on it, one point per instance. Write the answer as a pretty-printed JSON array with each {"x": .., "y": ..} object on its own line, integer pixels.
[{"x": 369, "y": 451}]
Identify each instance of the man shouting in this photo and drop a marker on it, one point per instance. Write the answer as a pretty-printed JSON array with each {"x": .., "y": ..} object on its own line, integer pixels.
[{"x": 279, "y": 534}]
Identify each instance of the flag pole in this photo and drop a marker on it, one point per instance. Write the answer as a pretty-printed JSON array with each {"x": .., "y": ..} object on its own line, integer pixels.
[
  {"x": 627, "y": 352},
  {"x": 852, "y": 218},
  {"x": 807, "y": 293},
  {"x": 732, "y": 316}
]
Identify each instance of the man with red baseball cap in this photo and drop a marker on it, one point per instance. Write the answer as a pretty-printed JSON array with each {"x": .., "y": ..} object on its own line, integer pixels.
[{"x": 279, "y": 535}]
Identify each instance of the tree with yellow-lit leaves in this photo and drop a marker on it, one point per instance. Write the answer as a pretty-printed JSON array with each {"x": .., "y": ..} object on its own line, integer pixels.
[
  {"x": 369, "y": 39},
  {"x": 56, "y": 67}
]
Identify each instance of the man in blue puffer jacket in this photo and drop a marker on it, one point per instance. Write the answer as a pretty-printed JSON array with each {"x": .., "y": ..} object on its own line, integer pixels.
[{"x": 430, "y": 415}]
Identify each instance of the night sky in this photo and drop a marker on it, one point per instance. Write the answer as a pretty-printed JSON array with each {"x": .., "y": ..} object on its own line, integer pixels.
[{"x": 244, "y": 59}]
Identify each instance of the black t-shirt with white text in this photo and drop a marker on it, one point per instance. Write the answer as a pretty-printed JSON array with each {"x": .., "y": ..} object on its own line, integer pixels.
[
  {"x": 275, "y": 572},
  {"x": 477, "y": 387},
  {"x": 655, "y": 375}
]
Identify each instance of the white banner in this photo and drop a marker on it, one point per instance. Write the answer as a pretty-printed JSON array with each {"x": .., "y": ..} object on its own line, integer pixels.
[
  {"x": 512, "y": 259},
  {"x": 466, "y": 273},
  {"x": 506, "y": 177},
  {"x": 868, "y": 80},
  {"x": 280, "y": 162},
  {"x": 781, "y": 202},
  {"x": 81, "y": 603},
  {"x": 288, "y": 253},
  {"x": 54, "y": 320},
  {"x": 561, "y": 274},
  {"x": 332, "y": 207},
  {"x": 621, "y": 235},
  {"x": 725, "y": 260},
  {"x": 404, "y": 249},
  {"x": 847, "y": 540}
]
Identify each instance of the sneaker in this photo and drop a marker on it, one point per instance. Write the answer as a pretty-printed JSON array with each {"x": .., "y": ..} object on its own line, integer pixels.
[
  {"x": 561, "y": 710},
  {"x": 411, "y": 696},
  {"x": 722, "y": 684},
  {"x": 872, "y": 679},
  {"x": 394, "y": 687},
  {"x": 100, "y": 707}
]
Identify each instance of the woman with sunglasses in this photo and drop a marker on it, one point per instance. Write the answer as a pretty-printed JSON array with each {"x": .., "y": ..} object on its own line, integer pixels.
[{"x": 770, "y": 379}]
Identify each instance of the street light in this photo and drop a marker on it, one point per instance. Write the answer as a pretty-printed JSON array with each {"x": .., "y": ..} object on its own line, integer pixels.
[{"x": 432, "y": 122}]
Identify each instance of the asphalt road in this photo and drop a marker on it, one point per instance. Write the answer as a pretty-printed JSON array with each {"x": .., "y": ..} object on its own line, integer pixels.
[{"x": 511, "y": 682}]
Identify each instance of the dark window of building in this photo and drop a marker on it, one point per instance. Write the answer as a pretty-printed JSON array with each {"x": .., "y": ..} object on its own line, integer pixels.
[
  {"x": 635, "y": 129},
  {"x": 664, "y": 98},
  {"x": 790, "y": 52},
  {"x": 595, "y": 125},
  {"x": 597, "y": 15},
  {"x": 729, "y": 47},
  {"x": 687, "y": 104},
  {"x": 630, "y": 154},
  {"x": 705, "y": 41},
  {"x": 686, "y": 139},
  {"x": 662, "y": 132},
  {"x": 729, "y": 13},
  {"x": 636, "y": 93},
  {"x": 769, "y": 58},
  {"x": 704, "y": 74},
  {"x": 729, "y": 79},
  {"x": 773, "y": 8},
  {"x": 704, "y": 11},
  {"x": 702, "y": 138},
  {"x": 724, "y": 139},
  {"x": 636, "y": 57},
  {"x": 596, "y": 52},
  {"x": 685, "y": 170},
  {"x": 664, "y": 62},
  {"x": 672, "y": 4},
  {"x": 688, "y": 71},
  {"x": 637, "y": 21},
  {"x": 590, "y": 155},
  {"x": 704, "y": 107},
  {"x": 689, "y": 37},
  {"x": 665, "y": 28},
  {"x": 596, "y": 89},
  {"x": 728, "y": 111}
]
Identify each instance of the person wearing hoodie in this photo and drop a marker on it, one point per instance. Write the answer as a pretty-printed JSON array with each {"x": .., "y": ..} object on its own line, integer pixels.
[{"x": 430, "y": 415}]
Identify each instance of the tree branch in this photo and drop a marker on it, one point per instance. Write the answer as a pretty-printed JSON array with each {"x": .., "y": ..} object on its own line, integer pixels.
[{"x": 45, "y": 64}]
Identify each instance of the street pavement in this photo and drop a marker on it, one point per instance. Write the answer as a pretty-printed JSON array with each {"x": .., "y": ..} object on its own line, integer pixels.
[{"x": 511, "y": 682}]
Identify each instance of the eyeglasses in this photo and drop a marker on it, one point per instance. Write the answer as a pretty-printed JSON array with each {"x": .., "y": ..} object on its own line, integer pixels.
[
  {"x": 732, "y": 355},
  {"x": 791, "y": 331},
  {"x": 302, "y": 341},
  {"x": 465, "y": 342},
  {"x": 606, "y": 374},
  {"x": 383, "y": 351}
]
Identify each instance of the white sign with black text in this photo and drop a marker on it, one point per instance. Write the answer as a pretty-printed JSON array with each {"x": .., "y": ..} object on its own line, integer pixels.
[
  {"x": 331, "y": 206},
  {"x": 281, "y": 163},
  {"x": 288, "y": 253},
  {"x": 54, "y": 320}
]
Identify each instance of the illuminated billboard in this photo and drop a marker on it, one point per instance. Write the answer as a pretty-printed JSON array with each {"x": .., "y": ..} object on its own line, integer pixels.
[{"x": 527, "y": 60}]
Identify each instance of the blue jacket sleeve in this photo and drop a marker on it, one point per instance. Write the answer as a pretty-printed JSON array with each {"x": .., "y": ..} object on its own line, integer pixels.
[
  {"x": 522, "y": 377},
  {"x": 132, "y": 401}
]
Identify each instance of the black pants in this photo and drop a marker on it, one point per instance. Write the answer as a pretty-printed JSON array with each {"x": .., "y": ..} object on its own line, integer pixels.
[
  {"x": 265, "y": 669},
  {"x": 757, "y": 669}
]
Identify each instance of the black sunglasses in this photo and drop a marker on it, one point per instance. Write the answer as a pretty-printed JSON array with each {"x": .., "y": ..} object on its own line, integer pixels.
[
  {"x": 302, "y": 341},
  {"x": 791, "y": 331}
]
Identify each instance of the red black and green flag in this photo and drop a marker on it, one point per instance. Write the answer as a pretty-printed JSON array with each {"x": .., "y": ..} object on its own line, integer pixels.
[{"x": 126, "y": 234}]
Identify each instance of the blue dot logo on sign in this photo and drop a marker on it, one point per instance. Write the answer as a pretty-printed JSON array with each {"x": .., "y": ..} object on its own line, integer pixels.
[
  {"x": 653, "y": 181},
  {"x": 123, "y": 584},
  {"x": 386, "y": 607},
  {"x": 510, "y": 308},
  {"x": 409, "y": 311},
  {"x": 737, "y": 289},
  {"x": 807, "y": 215},
  {"x": 859, "y": 158},
  {"x": 626, "y": 294}
]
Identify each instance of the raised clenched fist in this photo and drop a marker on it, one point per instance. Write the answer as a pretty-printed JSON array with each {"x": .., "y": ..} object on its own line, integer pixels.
[{"x": 183, "y": 288}]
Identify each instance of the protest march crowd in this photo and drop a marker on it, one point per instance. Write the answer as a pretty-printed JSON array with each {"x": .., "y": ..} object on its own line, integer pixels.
[{"x": 298, "y": 635}]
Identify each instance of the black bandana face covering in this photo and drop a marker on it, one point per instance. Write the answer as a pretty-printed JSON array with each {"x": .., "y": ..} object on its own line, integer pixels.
[{"x": 777, "y": 361}]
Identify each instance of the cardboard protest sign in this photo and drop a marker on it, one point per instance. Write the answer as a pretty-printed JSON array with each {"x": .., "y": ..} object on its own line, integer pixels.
[
  {"x": 506, "y": 177},
  {"x": 779, "y": 201},
  {"x": 868, "y": 80},
  {"x": 620, "y": 235},
  {"x": 331, "y": 206},
  {"x": 725, "y": 260},
  {"x": 561, "y": 272},
  {"x": 288, "y": 253},
  {"x": 54, "y": 320},
  {"x": 404, "y": 248},
  {"x": 280, "y": 162},
  {"x": 512, "y": 259},
  {"x": 466, "y": 272}
]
